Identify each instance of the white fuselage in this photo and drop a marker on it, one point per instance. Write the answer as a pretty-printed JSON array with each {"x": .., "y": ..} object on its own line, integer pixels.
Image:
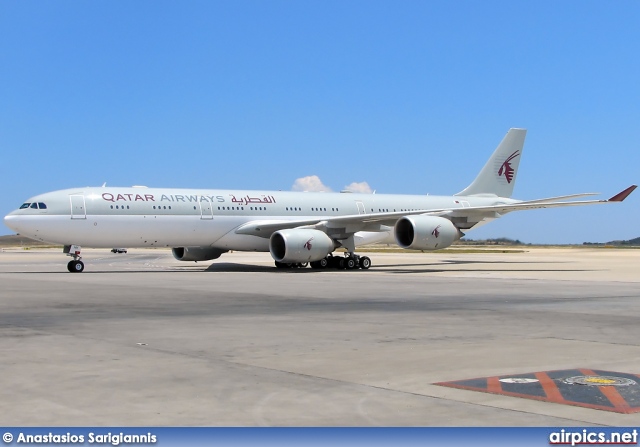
[{"x": 151, "y": 217}]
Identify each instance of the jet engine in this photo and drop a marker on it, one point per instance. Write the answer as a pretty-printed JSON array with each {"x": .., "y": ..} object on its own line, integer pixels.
[
  {"x": 425, "y": 232},
  {"x": 196, "y": 253},
  {"x": 298, "y": 245}
]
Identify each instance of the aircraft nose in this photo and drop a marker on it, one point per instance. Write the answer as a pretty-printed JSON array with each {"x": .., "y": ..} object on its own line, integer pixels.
[{"x": 12, "y": 221}]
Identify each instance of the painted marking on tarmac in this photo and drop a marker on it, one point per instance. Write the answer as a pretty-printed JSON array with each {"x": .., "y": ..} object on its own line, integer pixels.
[
  {"x": 596, "y": 389},
  {"x": 518, "y": 380}
]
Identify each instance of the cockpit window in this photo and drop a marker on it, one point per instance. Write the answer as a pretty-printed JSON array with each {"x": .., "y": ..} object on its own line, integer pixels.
[{"x": 34, "y": 206}]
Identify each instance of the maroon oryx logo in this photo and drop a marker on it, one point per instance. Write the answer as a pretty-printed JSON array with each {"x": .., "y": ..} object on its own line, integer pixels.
[
  {"x": 436, "y": 231},
  {"x": 506, "y": 168},
  {"x": 308, "y": 245}
]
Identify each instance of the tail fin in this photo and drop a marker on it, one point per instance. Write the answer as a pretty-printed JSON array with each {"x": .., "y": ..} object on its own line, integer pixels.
[{"x": 498, "y": 177}]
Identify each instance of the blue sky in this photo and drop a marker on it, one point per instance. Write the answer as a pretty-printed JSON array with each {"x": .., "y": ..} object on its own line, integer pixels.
[{"x": 410, "y": 97}]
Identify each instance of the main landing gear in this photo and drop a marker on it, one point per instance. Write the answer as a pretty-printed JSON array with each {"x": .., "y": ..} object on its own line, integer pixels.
[
  {"x": 350, "y": 261},
  {"x": 76, "y": 265}
]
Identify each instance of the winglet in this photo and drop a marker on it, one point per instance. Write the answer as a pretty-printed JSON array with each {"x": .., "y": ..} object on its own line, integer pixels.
[{"x": 623, "y": 194}]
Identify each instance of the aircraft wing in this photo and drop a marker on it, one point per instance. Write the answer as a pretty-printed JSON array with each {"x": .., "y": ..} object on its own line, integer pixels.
[
  {"x": 571, "y": 196},
  {"x": 553, "y": 203},
  {"x": 264, "y": 228},
  {"x": 372, "y": 222}
]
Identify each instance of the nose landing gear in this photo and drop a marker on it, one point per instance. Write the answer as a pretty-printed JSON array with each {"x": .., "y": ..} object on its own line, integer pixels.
[{"x": 76, "y": 265}]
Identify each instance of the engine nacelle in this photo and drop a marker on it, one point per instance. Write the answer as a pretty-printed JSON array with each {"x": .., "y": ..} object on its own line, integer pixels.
[
  {"x": 196, "y": 253},
  {"x": 425, "y": 232},
  {"x": 299, "y": 245}
]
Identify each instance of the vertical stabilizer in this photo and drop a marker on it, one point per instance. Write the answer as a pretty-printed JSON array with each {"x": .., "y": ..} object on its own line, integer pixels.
[{"x": 498, "y": 177}]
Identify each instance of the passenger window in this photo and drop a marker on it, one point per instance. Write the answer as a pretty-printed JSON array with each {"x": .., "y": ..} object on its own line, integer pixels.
[
  {"x": 34, "y": 206},
  {"x": 24, "y": 205},
  {"x": 42, "y": 206}
]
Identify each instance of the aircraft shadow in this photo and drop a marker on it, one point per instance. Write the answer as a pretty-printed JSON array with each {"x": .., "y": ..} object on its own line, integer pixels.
[
  {"x": 395, "y": 270},
  {"x": 463, "y": 262},
  {"x": 232, "y": 267},
  {"x": 429, "y": 267}
]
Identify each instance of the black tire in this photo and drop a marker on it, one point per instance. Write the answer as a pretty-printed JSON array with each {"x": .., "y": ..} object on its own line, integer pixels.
[
  {"x": 342, "y": 264},
  {"x": 281, "y": 265},
  {"x": 351, "y": 263},
  {"x": 75, "y": 266},
  {"x": 365, "y": 263},
  {"x": 315, "y": 264},
  {"x": 323, "y": 263}
]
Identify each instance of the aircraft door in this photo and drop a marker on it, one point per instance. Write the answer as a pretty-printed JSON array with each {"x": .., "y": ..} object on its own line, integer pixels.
[
  {"x": 206, "y": 208},
  {"x": 78, "y": 207},
  {"x": 360, "y": 206}
]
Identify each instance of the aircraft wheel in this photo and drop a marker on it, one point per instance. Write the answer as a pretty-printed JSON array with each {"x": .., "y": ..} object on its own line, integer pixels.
[
  {"x": 75, "y": 266},
  {"x": 365, "y": 263},
  {"x": 281, "y": 265},
  {"x": 342, "y": 264},
  {"x": 351, "y": 263},
  {"x": 323, "y": 263}
]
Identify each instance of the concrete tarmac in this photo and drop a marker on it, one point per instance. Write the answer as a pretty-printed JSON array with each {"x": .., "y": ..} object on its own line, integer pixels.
[{"x": 141, "y": 339}]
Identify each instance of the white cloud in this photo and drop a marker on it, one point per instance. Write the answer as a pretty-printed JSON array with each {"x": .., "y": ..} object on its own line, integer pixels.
[
  {"x": 362, "y": 187},
  {"x": 311, "y": 183}
]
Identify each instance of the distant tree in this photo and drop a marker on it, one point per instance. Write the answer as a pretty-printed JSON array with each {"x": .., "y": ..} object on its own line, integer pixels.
[{"x": 632, "y": 242}]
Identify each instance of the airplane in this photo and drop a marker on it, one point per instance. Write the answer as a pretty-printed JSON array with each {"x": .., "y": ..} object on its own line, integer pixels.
[{"x": 297, "y": 228}]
